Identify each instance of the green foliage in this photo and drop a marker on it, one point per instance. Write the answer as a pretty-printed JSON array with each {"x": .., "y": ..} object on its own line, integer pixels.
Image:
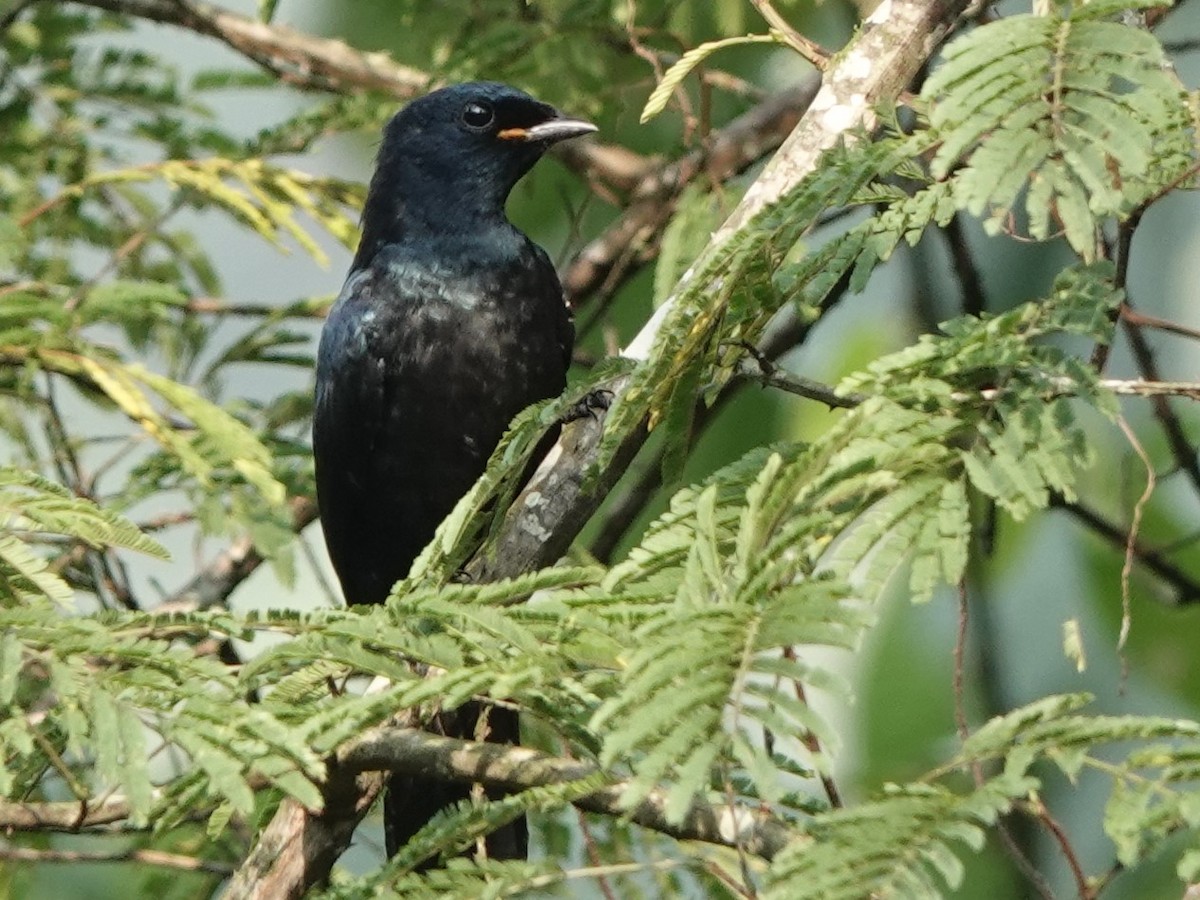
[
  {"x": 1081, "y": 114},
  {"x": 262, "y": 197},
  {"x": 732, "y": 292},
  {"x": 97, "y": 699},
  {"x": 682, "y": 670},
  {"x": 698, "y": 213},
  {"x": 459, "y": 878},
  {"x": 852, "y": 852},
  {"x": 34, "y": 506},
  {"x": 661, "y": 95}
]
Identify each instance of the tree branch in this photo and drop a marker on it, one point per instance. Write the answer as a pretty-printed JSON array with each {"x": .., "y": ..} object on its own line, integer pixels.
[
  {"x": 61, "y": 816},
  {"x": 1187, "y": 588},
  {"x": 299, "y": 59},
  {"x": 1181, "y": 446},
  {"x": 212, "y": 585},
  {"x": 142, "y": 856},
  {"x": 415, "y": 752},
  {"x": 297, "y": 849},
  {"x": 887, "y": 53},
  {"x": 325, "y": 64}
]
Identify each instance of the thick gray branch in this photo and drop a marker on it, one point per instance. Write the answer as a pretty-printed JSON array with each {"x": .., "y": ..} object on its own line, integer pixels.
[
  {"x": 417, "y": 752},
  {"x": 727, "y": 152}
]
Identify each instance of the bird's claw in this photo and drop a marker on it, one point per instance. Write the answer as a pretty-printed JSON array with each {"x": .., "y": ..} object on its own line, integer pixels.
[{"x": 592, "y": 403}]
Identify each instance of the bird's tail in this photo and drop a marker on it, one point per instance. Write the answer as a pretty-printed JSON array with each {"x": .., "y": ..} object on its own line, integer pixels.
[{"x": 411, "y": 801}]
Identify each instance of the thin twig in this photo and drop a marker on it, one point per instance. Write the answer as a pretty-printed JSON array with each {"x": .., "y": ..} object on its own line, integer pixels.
[
  {"x": 1131, "y": 541},
  {"x": 763, "y": 371},
  {"x": 960, "y": 653},
  {"x": 61, "y": 815},
  {"x": 1042, "y": 814},
  {"x": 1011, "y": 847},
  {"x": 1125, "y": 234},
  {"x": 1182, "y": 449},
  {"x": 143, "y": 856},
  {"x": 974, "y": 298},
  {"x": 728, "y": 152},
  {"x": 813, "y": 743},
  {"x": 809, "y": 49},
  {"x": 1144, "y": 320},
  {"x": 1186, "y": 587},
  {"x": 770, "y": 375},
  {"x": 298, "y": 59}
]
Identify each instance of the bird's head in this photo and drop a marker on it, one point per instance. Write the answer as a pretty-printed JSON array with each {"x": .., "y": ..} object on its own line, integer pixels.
[{"x": 454, "y": 155}]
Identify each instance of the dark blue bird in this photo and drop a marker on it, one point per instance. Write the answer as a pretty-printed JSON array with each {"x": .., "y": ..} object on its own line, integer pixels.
[{"x": 450, "y": 322}]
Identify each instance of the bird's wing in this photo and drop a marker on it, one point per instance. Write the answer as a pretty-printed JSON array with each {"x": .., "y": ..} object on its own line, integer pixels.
[
  {"x": 554, "y": 299},
  {"x": 347, "y": 427}
]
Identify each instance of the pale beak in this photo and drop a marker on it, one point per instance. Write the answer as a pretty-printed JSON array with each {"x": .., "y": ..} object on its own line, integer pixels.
[{"x": 549, "y": 132}]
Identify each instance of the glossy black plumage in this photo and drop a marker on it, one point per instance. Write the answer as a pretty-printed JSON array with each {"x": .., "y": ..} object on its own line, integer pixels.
[{"x": 450, "y": 322}]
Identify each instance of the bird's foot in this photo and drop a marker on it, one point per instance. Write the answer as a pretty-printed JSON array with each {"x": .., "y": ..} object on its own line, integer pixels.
[{"x": 590, "y": 406}]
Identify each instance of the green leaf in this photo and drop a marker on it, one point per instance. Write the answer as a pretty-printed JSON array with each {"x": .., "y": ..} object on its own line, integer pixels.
[
  {"x": 31, "y": 503},
  {"x": 851, "y": 853},
  {"x": 661, "y": 94},
  {"x": 1083, "y": 113}
]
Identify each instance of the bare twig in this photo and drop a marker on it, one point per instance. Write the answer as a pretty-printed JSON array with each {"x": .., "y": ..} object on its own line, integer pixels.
[
  {"x": 61, "y": 816},
  {"x": 1131, "y": 315},
  {"x": 974, "y": 298},
  {"x": 212, "y": 584},
  {"x": 1039, "y": 811},
  {"x": 217, "y": 306},
  {"x": 812, "y": 742},
  {"x": 757, "y": 368},
  {"x": 142, "y": 856},
  {"x": 1187, "y": 588},
  {"x": 809, "y": 49},
  {"x": 1035, "y": 878},
  {"x": 960, "y": 653},
  {"x": 325, "y": 64},
  {"x": 766, "y": 373},
  {"x": 1134, "y": 527},
  {"x": 299, "y": 59},
  {"x": 728, "y": 152},
  {"x": 1182, "y": 449}
]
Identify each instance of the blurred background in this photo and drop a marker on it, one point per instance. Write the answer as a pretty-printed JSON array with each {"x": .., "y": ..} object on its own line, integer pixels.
[{"x": 597, "y": 60}]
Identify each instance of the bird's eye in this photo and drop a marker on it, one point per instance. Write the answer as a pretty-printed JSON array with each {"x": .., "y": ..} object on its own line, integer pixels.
[{"x": 477, "y": 115}]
